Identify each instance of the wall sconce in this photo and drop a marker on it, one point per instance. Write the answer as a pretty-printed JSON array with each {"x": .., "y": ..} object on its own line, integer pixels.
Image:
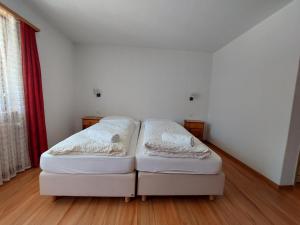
[
  {"x": 97, "y": 92},
  {"x": 194, "y": 96}
]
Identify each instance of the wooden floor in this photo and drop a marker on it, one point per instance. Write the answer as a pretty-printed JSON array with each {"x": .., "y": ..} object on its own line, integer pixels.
[{"x": 247, "y": 200}]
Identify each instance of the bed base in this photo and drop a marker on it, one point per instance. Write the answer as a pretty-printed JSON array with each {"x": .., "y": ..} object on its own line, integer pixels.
[
  {"x": 179, "y": 184},
  {"x": 90, "y": 185}
]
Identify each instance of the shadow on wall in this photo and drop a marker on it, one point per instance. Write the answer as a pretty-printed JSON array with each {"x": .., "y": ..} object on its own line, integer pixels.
[
  {"x": 291, "y": 159},
  {"x": 298, "y": 168}
]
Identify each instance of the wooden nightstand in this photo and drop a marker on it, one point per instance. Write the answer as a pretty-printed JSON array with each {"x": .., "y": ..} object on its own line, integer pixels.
[
  {"x": 88, "y": 121},
  {"x": 195, "y": 127}
]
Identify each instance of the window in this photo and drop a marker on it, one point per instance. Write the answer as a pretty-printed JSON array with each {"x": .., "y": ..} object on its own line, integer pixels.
[
  {"x": 13, "y": 135},
  {"x": 11, "y": 84}
]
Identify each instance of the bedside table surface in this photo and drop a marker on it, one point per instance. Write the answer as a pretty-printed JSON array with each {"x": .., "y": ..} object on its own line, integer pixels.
[
  {"x": 91, "y": 117},
  {"x": 193, "y": 121}
]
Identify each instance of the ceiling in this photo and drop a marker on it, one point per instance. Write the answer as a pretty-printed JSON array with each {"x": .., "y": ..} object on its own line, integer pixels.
[{"x": 204, "y": 25}]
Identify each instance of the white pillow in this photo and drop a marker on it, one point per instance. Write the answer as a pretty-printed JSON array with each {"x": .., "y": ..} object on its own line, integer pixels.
[{"x": 119, "y": 118}]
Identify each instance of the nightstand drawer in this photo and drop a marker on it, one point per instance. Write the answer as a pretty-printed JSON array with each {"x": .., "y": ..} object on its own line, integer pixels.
[
  {"x": 89, "y": 121},
  {"x": 198, "y": 133},
  {"x": 194, "y": 125}
]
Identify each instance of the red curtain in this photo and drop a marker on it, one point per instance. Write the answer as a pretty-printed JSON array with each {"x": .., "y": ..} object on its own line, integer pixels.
[{"x": 34, "y": 102}]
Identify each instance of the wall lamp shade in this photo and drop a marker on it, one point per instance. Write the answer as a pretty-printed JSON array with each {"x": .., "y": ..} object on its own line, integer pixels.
[
  {"x": 97, "y": 92},
  {"x": 194, "y": 96}
]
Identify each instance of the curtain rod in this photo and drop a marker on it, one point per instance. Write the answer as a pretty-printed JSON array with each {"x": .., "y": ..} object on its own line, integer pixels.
[{"x": 18, "y": 17}]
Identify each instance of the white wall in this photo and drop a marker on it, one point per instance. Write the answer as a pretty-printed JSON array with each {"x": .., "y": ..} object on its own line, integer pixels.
[
  {"x": 141, "y": 82},
  {"x": 56, "y": 57},
  {"x": 252, "y": 89}
]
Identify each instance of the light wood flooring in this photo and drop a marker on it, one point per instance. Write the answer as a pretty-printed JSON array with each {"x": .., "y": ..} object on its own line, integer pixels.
[{"x": 247, "y": 200}]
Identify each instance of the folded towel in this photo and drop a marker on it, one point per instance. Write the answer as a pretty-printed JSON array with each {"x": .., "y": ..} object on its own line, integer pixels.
[{"x": 178, "y": 139}]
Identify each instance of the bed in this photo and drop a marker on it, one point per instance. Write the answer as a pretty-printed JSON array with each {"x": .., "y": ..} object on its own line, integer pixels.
[
  {"x": 90, "y": 175},
  {"x": 177, "y": 176}
]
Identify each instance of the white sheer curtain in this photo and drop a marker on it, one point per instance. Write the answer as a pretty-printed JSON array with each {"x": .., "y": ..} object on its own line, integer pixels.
[{"x": 14, "y": 155}]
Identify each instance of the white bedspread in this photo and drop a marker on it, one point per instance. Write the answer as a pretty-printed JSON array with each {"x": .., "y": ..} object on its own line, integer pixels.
[
  {"x": 90, "y": 141},
  {"x": 155, "y": 146},
  {"x": 178, "y": 139}
]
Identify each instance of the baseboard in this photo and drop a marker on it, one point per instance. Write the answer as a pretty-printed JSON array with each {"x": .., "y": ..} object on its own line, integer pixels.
[{"x": 254, "y": 172}]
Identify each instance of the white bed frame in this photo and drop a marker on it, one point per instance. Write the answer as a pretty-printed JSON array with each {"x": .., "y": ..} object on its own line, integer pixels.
[
  {"x": 180, "y": 184},
  {"x": 96, "y": 185}
]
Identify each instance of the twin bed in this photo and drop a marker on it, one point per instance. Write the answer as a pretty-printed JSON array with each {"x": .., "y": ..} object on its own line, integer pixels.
[{"x": 133, "y": 173}]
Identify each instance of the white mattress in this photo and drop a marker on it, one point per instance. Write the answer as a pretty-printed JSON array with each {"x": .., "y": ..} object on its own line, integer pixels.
[
  {"x": 155, "y": 164},
  {"x": 92, "y": 164}
]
